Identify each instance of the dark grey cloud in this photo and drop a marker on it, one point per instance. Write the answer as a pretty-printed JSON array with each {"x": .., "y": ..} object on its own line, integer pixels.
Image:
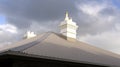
[
  {"x": 109, "y": 11},
  {"x": 35, "y": 10},
  {"x": 49, "y": 13},
  {"x": 19, "y": 22}
]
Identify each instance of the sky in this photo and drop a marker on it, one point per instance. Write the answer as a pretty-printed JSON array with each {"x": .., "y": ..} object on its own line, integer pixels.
[
  {"x": 2, "y": 19},
  {"x": 98, "y": 20}
]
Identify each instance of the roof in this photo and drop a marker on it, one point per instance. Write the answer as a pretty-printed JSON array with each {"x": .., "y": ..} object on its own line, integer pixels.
[{"x": 55, "y": 45}]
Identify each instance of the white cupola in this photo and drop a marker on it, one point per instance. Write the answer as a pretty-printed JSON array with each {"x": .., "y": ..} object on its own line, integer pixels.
[
  {"x": 68, "y": 28},
  {"x": 29, "y": 34}
]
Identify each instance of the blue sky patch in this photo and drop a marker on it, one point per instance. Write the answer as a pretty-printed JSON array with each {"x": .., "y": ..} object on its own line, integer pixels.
[
  {"x": 116, "y": 3},
  {"x": 2, "y": 19}
]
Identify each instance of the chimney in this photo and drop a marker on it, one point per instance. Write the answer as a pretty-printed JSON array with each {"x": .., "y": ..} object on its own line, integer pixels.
[
  {"x": 29, "y": 34},
  {"x": 69, "y": 28}
]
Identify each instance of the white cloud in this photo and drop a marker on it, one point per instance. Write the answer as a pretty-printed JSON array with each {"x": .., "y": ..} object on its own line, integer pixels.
[
  {"x": 97, "y": 17},
  {"x": 8, "y": 33},
  {"x": 8, "y": 28},
  {"x": 92, "y": 9},
  {"x": 116, "y": 50},
  {"x": 4, "y": 44},
  {"x": 107, "y": 40},
  {"x": 104, "y": 21}
]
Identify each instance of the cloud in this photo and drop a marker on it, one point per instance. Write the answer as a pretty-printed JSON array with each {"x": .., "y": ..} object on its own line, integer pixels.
[
  {"x": 92, "y": 9},
  {"x": 8, "y": 28},
  {"x": 96, "y": 17},
  {"x": 90, "y": 15},
  {"x": 107, "y": 40},
  {"x": 101, "y": 27},
  {"x": 8, "y": 34},
  {"x": 38, "y": 10}
]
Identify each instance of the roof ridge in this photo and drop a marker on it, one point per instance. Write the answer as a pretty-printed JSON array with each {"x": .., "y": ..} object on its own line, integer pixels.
[
  {"x": 60, "y": 35},
  {"x": 28, "y": 45}
]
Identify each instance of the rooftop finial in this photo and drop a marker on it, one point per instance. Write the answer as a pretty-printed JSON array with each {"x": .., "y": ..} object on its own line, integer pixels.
[{"x": 67, "y": 16}]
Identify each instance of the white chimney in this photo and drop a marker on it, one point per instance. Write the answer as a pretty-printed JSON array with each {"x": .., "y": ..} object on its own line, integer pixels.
[
  {"x": 29, "y": 34},
  {"x": 68, "y": 28}
]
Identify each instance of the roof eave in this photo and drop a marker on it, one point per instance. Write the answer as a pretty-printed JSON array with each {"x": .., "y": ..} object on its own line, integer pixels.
[{"x": 18, "y": 53}]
